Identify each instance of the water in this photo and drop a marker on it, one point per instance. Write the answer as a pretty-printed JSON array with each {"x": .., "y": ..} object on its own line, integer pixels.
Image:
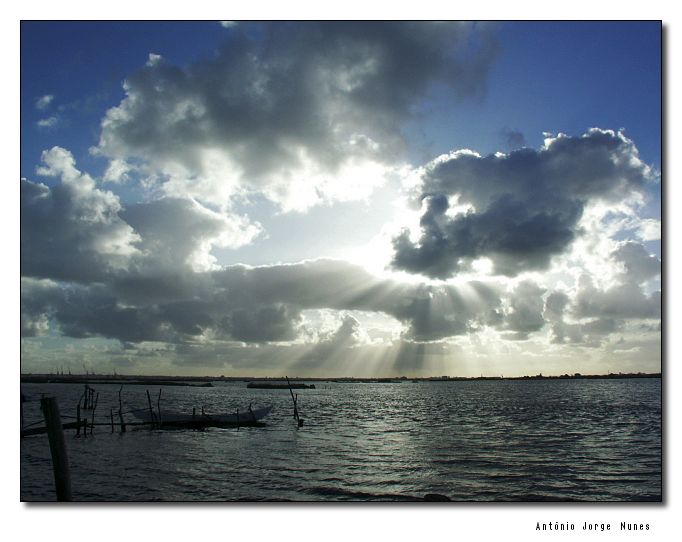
[{"x": 590, "y": 440}]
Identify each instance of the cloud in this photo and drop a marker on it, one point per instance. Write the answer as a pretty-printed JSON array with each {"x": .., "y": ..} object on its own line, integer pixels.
[
  {"x": 116, "y": 172},
  {"x": 622, "y": 301},
  {"x": 638, "y": 263},
  {"x": 48, "y": 122},
  {"x": 296, "y": 113},
  {"x": 593, "y": 313},
  {"x": 527, "y": 306},
  {"x": 180, "y": 233},
  {"x": 72, "y": 231},
  {"x": 523, "y": 208},
  {"x": 260, "y": 304},
  {"x": 78, "y": 232},
  {"x": 276, "y": 322},
  {"x": 333, "y": 344},
  {"x": 44, "y": 102},
  {"x": 513, "y": 139},
  {"x": 38, "y": 296}
]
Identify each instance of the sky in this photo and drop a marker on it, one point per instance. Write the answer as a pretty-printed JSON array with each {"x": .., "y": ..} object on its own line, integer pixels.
[{"x": 341, "y": 199}]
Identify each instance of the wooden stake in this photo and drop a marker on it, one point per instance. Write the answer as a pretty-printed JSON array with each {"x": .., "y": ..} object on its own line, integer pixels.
[
  {"x": 60, "y": 461},
  {"x": 299, "y": 421},
  {"x": 158, "y": 406},
  {"x": 120, "y": 410},
  {"x": 151, "y": 410},
  {"x": 78, "y": 418},
  {"x": 94, "y": 407}
]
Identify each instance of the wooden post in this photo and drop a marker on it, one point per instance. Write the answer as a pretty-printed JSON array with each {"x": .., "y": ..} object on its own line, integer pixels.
[
  {"x": 120, "y": 410},
  {"x": 237, "y": 419},
  {"x": 55, "y": 434},
  {"x": 85, "y": 398},
  {"x": 111, "y": 415},
  {"x": 78, "y": 418},
  {"x": 158, "y": 406},
  {"x": 151, "y": 410},
  {"x": 299, "y": 421},
  {"x": 194, "y": 412},
  {"x": 94, "y": 407}
]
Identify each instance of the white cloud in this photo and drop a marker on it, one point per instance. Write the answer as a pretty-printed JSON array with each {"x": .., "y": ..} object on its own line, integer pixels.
[
  {"x": 71, "y": 231},
  {"x": 312, "y": 118},
  {"x": 48, "y": 122},
  {"x": 116, "y": 172},
  {"x": 44, "y": 102}
]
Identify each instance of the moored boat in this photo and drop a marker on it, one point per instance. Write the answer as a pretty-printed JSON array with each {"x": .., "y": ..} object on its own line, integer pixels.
[
  {"x": 226, "y": 419},
  {"x": 279, "y": 385}
]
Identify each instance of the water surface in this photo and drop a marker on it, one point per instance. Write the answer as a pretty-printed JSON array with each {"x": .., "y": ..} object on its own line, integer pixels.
[{"x": 590, "y": 440}]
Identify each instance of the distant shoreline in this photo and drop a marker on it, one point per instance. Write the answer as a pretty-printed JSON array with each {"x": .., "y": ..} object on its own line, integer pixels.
[{"x": 29, "y": 378}]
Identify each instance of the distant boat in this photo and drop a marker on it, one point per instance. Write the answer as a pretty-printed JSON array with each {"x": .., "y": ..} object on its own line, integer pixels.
[
  {"x": 278, "y": 385},
  {"x": 244, "y": 417}
]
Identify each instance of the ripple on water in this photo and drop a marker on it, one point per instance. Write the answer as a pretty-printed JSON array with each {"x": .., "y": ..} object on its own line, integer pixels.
[{"x": 471, "y": 441}]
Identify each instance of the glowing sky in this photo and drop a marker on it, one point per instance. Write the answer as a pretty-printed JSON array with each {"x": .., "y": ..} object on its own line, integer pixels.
[{"x": 341, "y": 199}]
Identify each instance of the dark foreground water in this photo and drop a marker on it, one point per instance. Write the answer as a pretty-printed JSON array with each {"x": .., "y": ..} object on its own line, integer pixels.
[{"x": 591, "y": 440}]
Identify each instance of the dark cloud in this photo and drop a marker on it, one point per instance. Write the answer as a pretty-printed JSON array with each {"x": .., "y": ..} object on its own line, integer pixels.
[
  {"x": 525, "y": 205},
  {"x": 258, "y": 304},
  {"x": 280, "y": 95},
  {"x": 266, "y": 323},
  {"x": 332, "y": 344},
  {"x": 38, "y": 297},
  {"x": 77, "y": 232},
  {"x": 595, "y": 313},
  {"x": 639, "y": 264},
  {"x": 526, "y": 314},
  {"x": 590, "y": 333},
  {"x": 622, "y": 301},
  {"x": 513, "y": 139},
  {"x": 555, "y": 305},
  {"x": 72, "y": 231}
]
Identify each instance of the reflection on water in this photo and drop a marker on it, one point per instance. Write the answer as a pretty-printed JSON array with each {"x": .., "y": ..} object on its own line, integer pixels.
[{"x": 471, "y": 441}]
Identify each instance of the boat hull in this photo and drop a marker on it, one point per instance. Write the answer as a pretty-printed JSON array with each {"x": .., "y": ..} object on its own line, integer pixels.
[{"x": 243, "y": 418}]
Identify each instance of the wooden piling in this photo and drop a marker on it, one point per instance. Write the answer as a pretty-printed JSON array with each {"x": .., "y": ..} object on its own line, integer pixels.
[
  {"x": 94, "y": 407},
  {"x": 158, "y": 406},
  {"x": 111, "y": 416},
  {"x": 78, "y": 418},
  {"x": 60, "y": 461},
  {"x": 120, "y": 410},
  {"x": 151, "y": 410},
  {"x": 294, "y": 398},
  {"x": 122, "y": 421}
]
